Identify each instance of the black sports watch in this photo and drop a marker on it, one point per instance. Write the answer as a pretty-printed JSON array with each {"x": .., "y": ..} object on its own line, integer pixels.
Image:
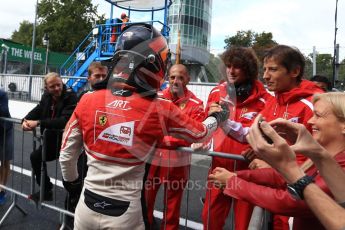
[{"x": 296, "y": 189}]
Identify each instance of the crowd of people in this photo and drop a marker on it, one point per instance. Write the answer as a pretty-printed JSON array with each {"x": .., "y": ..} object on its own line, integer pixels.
[{"x": 125, "y": 131}]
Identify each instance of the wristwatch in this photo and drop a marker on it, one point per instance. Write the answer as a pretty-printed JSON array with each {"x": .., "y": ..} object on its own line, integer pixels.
[{"x": 296, "y": 189}]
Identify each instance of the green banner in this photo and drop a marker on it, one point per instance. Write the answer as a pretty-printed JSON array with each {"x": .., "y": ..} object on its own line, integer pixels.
[{"x": 20, "y": 53}]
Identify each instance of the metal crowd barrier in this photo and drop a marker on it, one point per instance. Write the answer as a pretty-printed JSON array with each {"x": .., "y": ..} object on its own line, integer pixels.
[
  {"x": 45, "y": 149},
  {"x": 17, "y": 185},
  {"x": 261, "y": 219},
  {"x": 26, "y": 142},
  {"x": 7, "y": 138}
]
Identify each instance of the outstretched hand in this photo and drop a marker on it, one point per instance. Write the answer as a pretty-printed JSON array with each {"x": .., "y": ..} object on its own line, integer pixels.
[
  {"x": 258, "y": 164},
  {"x": 29, "y": 125},
  {"x": 254, "y": 161},
  {"x": 220, "y": 176},
  {"x": 214, "y": 107},
  {"x": 200, "y": 147},
  {"x": 278, "y": 154},
  {"x": 299, "y": 137},
  {"x": 220, "y": 111}
]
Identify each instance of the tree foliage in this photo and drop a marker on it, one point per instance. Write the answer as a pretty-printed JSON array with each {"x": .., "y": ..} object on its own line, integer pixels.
[
  {"x": 258, "y": 41},
  {"x": 66, "y": 21},
  {"x": 262, "y": 41},
  {"x": 324, "y": 66},
  {"x": 242, "y": 38},
  {"x": 24, "y": 33}
]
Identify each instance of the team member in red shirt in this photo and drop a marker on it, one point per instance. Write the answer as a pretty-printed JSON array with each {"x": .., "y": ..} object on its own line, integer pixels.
[
  {"x": 283, "y": 72},
  {"x": 170, "y": 167},
  {"x": 119, "y": 128},
  {"x": 242, "y": 71}
]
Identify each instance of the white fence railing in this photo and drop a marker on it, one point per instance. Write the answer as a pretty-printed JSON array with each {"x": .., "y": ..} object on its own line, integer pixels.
[
  {"x": 22, "y": 87},
  {"x": 17, "y": 86}
]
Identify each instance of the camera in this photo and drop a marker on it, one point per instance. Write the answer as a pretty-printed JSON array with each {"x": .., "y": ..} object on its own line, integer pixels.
[{"x": 269, "y": 141}]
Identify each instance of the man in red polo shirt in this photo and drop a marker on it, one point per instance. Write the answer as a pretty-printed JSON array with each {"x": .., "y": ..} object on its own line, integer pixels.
[{"x": 170, "y": 167}]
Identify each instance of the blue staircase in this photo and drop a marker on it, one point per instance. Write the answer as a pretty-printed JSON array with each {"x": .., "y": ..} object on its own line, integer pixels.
[
  {"x": 77, "y": 83},
  {"x": 98, "y": 45}
]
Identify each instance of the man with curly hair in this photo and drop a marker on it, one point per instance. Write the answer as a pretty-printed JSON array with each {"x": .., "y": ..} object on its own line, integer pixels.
[{"x": 241, "y": 71}]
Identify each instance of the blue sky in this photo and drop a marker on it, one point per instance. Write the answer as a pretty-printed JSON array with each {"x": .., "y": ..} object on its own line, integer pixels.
[{"x": 300, "y": 23}]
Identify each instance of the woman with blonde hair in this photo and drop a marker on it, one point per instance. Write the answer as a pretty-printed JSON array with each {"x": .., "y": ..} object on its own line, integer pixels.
[{"x": 266, "y": 187}]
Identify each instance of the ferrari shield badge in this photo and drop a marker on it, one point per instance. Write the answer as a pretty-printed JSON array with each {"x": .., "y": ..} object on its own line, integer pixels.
[
  {"x": 182, "y": 105},
  {"x": 102, "y": 120}
]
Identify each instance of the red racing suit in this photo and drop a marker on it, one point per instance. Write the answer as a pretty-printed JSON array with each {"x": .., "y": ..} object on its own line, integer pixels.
[
  {"x": 217, "y": 205},
  {"x": 119, "y": 133},
  {"x": 171, "y": 167},
  {"x": 267, "y": 189}
]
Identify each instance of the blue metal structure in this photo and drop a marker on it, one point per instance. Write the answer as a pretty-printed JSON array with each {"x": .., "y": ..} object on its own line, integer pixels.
[{"x": 100, "y": 43}]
